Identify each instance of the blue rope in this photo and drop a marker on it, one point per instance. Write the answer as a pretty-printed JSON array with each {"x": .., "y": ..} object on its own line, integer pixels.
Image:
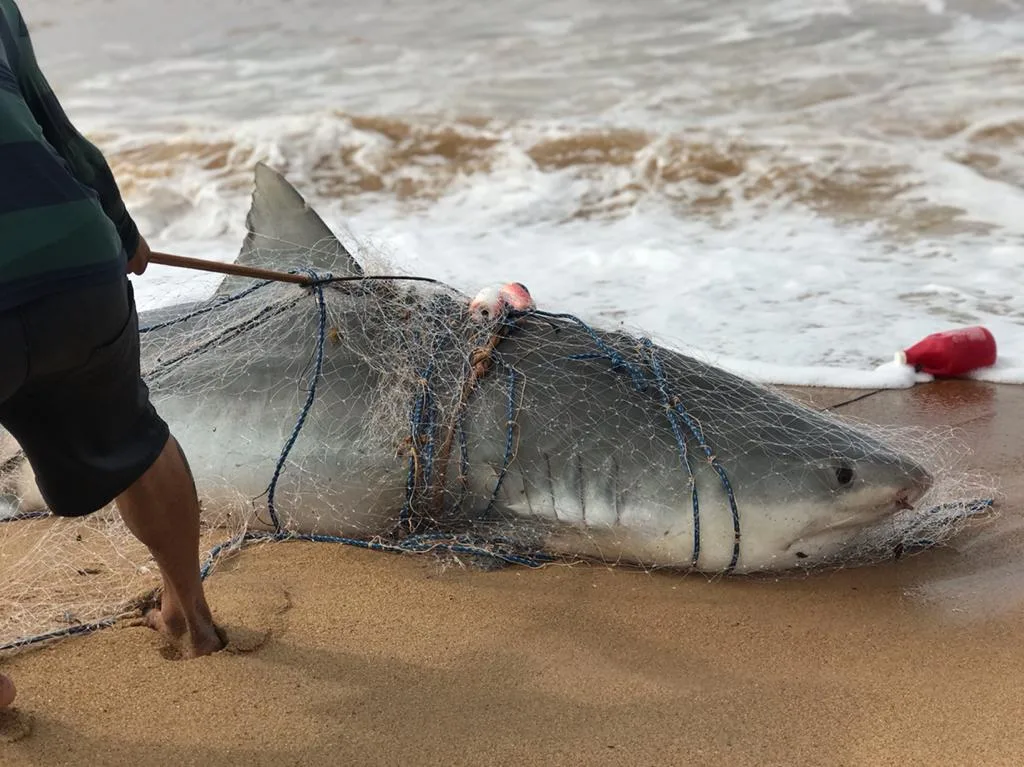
[
  {"x": 970, "y": 509},
  {"x": 607, "y": 352},
  {"x": 510, "y": 431},
  {"x": 424, "y": 422},
  {"x": 414, "y": 544},
  {"x": 675, "y": 413},
  {"x": 460, "y": 429},
  {"x": 321, "y": 337},
  {"x": 429, "y": 429},
  {"x": 697, "y": 433},
  {"x": 199, "y": 312},
  {"x": 418, "y": 544},
  {"x": 232, "y": 332},
  {"x": 24, "y": 516},
  {"x": 673, "y": 420},
  {"x": 423, "y": 419},
  {"x": 83, "y": 628},
  {"x": 420, "y": 427}
]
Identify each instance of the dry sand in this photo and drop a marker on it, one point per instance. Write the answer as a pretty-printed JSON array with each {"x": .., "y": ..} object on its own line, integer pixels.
[{"x": 341, "y": 656}]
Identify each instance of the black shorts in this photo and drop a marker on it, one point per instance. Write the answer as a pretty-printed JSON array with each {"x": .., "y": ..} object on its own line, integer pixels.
[{"x": 72, "y": 395}]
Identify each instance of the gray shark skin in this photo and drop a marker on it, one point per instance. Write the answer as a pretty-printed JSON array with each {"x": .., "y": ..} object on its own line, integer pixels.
[{"x": 574, "y": 440}]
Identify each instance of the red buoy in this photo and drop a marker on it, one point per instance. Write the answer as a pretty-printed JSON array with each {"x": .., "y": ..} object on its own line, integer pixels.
[{"x": 952, "y": 352}]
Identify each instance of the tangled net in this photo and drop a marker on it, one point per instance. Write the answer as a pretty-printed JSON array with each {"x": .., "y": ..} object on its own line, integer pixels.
[{"x": 379, "y": 413}]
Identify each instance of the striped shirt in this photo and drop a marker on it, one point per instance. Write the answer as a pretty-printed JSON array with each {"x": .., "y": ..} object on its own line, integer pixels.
[{"x": 62, "y": 220}]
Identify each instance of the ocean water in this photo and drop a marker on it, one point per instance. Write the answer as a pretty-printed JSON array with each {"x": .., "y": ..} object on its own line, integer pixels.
[{"x": 794, "y": 189}]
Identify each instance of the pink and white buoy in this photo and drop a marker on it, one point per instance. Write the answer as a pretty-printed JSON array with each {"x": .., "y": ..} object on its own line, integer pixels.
[{"x": 493, "y": 302}]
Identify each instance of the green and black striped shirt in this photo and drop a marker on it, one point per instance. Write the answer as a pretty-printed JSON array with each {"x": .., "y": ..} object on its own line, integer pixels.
[{"x": 62, "y": 220}]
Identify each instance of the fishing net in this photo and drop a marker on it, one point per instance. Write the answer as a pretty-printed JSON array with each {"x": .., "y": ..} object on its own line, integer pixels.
[{"x": 382, "y": 413}]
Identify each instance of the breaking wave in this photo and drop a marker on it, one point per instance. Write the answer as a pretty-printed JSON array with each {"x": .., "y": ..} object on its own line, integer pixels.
[{"x": 611, "y": 170}]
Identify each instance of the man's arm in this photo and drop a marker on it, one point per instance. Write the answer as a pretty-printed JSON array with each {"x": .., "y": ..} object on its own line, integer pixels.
[{"x": 84, "y": 159}]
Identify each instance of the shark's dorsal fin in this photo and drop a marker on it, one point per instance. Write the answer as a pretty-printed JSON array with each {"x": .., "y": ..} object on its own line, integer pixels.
[{"x": 284, "y": 232}]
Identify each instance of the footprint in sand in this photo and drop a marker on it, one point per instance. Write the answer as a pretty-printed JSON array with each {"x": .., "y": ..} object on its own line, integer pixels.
[
  {"x": 15, "y": 725},
  {"x": 247, "y": 614}
]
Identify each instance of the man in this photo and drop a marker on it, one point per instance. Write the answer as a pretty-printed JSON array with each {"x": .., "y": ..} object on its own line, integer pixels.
[{"x": 71, "y": 391}]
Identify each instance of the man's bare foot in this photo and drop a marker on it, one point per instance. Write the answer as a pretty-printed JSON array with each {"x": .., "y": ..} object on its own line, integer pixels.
[
  {"x": 207, "y": 641},
  {"x": 169, "y": 620}
]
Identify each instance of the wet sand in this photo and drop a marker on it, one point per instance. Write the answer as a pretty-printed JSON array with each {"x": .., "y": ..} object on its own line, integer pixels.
[{"x": 343, "y": 656}]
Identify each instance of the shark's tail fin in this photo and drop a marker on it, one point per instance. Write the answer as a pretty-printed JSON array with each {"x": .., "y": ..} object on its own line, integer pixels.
[{"x": 18, "y": 490}]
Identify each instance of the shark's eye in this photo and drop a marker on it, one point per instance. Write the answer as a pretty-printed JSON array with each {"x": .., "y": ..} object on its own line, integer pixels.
[{"x": 844, "y": 475}]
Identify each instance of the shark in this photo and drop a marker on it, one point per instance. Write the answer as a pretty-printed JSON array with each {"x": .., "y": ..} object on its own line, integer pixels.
[{"x": 378, "y": 406}]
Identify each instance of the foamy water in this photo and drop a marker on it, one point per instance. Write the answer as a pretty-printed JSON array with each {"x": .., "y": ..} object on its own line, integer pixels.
[{"x": 795, "y": 190}]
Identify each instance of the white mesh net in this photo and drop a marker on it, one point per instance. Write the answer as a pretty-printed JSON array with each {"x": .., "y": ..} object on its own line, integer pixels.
[{"x": 380, "y": 413}]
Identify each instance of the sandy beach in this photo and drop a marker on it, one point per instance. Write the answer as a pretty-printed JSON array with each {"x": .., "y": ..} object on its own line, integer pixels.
[
  {"x": 798, "y": 189},
  {"x": 345, "y": 656}
]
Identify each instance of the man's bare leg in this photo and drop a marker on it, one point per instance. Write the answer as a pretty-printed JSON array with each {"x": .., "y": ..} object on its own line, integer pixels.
[{"x": 162, "y": 511}]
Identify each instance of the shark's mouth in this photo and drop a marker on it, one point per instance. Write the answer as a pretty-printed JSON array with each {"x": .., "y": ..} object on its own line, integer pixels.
[
  {"x": 862, "y": 519},
  {"x": 902, "y": 528}
]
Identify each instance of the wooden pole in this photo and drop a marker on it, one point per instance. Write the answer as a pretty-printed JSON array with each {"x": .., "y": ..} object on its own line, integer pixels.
[{"x": 237, "y": 270}]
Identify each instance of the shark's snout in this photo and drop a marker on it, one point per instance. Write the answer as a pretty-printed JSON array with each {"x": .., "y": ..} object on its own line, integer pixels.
[
  {"x": 906, "y": 484},
  {"x": 887, "y": 490}
]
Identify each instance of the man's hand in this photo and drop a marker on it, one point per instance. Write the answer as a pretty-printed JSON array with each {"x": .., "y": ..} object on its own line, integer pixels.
[{"x": 139, "y": 262}]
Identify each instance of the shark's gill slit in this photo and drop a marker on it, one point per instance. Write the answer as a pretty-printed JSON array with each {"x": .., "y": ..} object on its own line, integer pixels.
[
  {"x": 551, "y": 485},
  {"x": 581, "y": 490},
  {"x": 616, "y": 490}
]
